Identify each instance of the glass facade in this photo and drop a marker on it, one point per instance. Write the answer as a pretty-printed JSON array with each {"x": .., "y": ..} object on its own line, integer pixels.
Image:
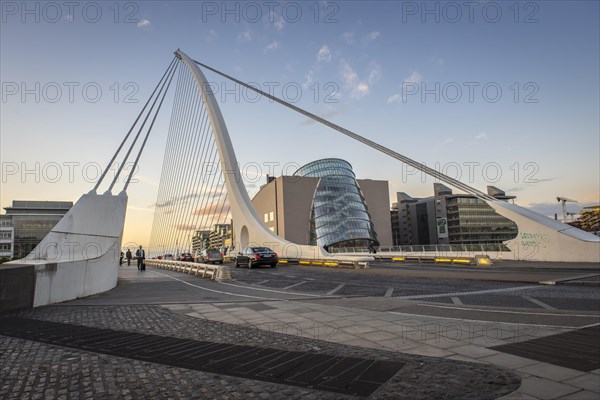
[
  {"x": 471, "y": 220},
  {"x": 339, "y": 216},
  {"x": 32, "y": 221}
]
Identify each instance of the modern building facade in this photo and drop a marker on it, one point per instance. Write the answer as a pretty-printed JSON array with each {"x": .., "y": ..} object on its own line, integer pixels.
[
  {"x": 448, "y": 218},
  {"x": 217, "y": 238},
  {"x": 30, "y": 222},
  {"x": 7, "y": 234},
  {"x": 324, "y": 204}
]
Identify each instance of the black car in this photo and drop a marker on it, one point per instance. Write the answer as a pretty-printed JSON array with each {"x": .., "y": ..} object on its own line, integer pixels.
[
  {"x": 253, "y": 256},
  {"x": 186, "y": 257}
]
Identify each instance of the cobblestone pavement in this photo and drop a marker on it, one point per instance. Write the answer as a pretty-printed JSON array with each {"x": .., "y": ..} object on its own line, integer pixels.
[{"x": 33, "y": 370}]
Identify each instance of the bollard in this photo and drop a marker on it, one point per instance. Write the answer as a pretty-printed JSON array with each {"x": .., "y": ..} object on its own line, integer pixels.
[{"x": 222, "y": 274}]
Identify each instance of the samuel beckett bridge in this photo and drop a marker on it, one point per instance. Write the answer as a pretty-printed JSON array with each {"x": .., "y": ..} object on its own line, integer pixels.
[{"x": 191, "y": 199}]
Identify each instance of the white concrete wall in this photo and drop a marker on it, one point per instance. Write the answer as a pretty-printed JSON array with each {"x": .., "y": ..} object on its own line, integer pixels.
[
  {"x": 80, "y": 256},
  {"x": 543, "y": 239}
]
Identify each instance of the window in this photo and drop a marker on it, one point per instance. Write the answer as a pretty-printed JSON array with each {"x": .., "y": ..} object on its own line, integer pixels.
[
  {"x": 266, "y": 217},
  {"x": 271, "y": 216}
]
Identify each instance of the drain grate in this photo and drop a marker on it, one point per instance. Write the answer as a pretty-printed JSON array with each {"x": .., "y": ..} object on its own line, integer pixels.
[
  {"x": 347, "y": 375},
  {"x": 579, "y": 350}
]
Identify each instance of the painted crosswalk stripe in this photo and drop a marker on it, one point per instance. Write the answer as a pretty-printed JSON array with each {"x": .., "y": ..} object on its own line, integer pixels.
[
  {"x": 539, "y": 303},
  {"x": 294, "y": 285},
  {"x": 338, "y": 287},
  {"x": 469, "y": 293}
]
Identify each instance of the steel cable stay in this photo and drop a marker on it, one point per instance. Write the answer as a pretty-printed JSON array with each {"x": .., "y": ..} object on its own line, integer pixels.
[
  {"x": 430, "y": 171},
  {"x": 141, "y": 128},
  {"x": 158, "y": 210},
  {"x": 112, "y": 160}
]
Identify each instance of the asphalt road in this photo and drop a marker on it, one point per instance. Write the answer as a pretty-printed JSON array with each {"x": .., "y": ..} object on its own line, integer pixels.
[{"x": 493, "y": 287}]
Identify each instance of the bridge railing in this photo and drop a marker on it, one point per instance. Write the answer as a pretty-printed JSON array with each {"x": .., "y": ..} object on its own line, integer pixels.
[
  {"x": 217, "y": 273},
  {"x": 428, "y": 248}
]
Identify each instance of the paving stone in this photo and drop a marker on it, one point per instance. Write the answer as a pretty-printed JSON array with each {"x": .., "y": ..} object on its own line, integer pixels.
[
  {"x": 549, "y": 371},
  {"x": 582, "y": 395},
  {"x": 545, "y": 389},
  {"x": 508, "y": 361},
  {"x": 82, "y": 375},
  {"x": 590, "y": 382},
  {"x": 472, "y": 351}
]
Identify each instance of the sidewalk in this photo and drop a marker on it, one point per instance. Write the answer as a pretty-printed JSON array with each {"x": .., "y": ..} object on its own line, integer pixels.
[
  {"x": 423, "y": 336},
  {"x": 439, "y": 357}
]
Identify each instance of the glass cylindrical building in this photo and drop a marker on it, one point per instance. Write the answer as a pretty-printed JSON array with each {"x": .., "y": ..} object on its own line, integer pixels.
[{"x": 339, "y": 216}]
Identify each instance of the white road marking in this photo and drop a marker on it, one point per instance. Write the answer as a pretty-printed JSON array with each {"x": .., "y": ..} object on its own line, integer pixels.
[
  {"x": 484, "y": 321},
  {"x": 509, "y": 312},
  {"x": 338, "y": 287},
  {"x": 456, "y": 301},
  {"x": 539, "y": 303},
  {"x": 212, "y": 290},
  {"x": 388, "y": 292},
  {"x": 270, "y": 290},
  {"x": 261, "y": 282},
  {"x": 294, "y": 285},
  {"x": 470, "y": 293}
]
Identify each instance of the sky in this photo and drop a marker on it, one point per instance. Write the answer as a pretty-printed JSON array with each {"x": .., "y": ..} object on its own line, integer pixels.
[{"x": 492, "y": 93}]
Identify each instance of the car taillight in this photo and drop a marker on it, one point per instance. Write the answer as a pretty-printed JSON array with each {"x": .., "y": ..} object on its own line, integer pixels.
[
  {"x": 276, "y": 255},
  {"x": 257, "y": 255},
  {"x": 221, "y": 255}
]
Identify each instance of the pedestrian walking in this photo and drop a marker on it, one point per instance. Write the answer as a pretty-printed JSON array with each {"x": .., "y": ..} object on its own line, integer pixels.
[
  {"x": 140, "y": 254},
  {"x": 121, "y": 259},
  {"x": 128, "y": 255}
]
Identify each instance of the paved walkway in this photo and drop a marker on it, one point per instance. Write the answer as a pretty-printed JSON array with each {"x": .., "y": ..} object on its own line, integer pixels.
[
  {"x": 419, "y": 335},
  {"x": 463, "y": 363}
]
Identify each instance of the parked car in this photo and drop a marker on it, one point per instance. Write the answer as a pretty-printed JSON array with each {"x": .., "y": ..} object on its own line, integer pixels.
[
  {"x": 253, "y": 256},
  {"x": 168, "y": 257},
  {"x": 186, "y": 257},
  {"x": 209, "y": 256}
]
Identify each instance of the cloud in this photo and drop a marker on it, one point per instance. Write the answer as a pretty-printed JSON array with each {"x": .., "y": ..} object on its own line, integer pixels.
[
  {"x": 415, "y": 77},
  {"x": 357, "y": 87},
  {"x": 144, "y": 23},
  {"x": 348, "y": 37},
  {"x": 324, "y": 54},
  {"x": 438, "y": 60},
  {"x": 273, "y": 45},
  {"x": 362, "y": 89},
  {"x": 245, "y": 37},
  {"x": 374, "y": 72},
  {"x": 370, "y": 37},
  {"x": 393, "y": 98},
  {"x": 277, "y": 20},
  {"x": 212, "y": 36},
  {"x": 481, "y": 136}
]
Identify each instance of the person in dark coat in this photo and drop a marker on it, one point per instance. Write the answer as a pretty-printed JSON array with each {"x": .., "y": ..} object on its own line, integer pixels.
[
  {"x": 140, "y": 254},
  {"x": 128, "y": 255},
  {"x": 121, "y": 259}
]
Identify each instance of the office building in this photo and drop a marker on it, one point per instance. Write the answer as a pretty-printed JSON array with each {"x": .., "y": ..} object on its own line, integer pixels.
[
  {"x": 324, "y": 204},
  {"x": 30, "y": 222},
  {"x": 448, "y": 218}
]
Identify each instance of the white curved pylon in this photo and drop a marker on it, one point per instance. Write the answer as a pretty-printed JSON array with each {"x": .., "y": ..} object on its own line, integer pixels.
[{"x": 247, "y": 226}]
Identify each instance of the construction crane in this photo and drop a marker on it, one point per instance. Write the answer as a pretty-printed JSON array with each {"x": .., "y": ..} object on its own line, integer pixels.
[{"x": 563, "y": 201}]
